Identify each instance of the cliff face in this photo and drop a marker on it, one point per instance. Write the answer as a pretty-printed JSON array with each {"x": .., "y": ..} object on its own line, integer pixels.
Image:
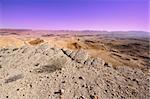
[{"x": 47, "y": 72}]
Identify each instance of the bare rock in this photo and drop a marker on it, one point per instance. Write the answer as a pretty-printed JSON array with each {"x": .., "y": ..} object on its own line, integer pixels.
[
  {"x": 97, "y": 62},
  {"x": 89, "y": 61},
  {"x": 68, "y": 52},
  {"x": 48, "y": 72},
  {"x": 81, "y": 56}
]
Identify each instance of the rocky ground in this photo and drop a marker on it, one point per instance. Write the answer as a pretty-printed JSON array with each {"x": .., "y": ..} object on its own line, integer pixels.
[
  {"x": 74, "y": 65},
  {"x": 48, "y": 72}
]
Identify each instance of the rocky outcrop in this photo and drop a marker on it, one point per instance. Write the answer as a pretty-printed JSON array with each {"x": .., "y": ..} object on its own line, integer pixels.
[{"x": 46, "y": 72}]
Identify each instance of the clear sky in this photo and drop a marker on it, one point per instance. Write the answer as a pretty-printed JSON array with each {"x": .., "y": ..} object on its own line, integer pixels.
[{"x": 75, "y": 14}]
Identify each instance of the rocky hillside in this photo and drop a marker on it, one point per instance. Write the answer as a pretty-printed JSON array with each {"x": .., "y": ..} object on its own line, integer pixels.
[{"x": 47, "y": 72}]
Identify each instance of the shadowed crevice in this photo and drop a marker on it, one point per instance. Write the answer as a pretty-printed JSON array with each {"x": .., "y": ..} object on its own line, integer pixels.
[
  {"x": 47, "y": 69},
  {"x": 14, "y": 78}
]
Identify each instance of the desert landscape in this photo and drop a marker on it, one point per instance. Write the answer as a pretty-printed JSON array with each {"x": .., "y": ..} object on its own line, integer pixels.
[{"x": 61, "y": 64}]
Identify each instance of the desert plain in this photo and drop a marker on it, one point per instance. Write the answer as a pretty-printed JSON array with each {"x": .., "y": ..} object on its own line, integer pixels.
[{"x": 61, "y": 64}]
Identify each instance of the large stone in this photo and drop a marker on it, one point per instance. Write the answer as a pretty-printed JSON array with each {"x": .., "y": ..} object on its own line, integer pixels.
[
  {"x": 81, "y": 56},
  {"x": 98, "y": 62}
]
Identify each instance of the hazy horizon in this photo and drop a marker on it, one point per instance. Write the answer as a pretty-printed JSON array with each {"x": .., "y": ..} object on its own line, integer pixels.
[
  {"x": 99, "y": 15},
  {"x": 72, "y": 29}
]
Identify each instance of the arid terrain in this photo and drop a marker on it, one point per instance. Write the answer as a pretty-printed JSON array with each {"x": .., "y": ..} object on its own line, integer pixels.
[{"x": 38, "y": 64}]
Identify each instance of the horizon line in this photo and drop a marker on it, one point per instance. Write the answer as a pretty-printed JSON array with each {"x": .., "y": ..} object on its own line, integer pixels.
[{"x": 76, "y": 30}]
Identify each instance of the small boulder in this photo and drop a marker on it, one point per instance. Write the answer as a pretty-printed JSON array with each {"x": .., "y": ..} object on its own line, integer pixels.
[
  {"x": 88, "y": 61},
  {"x": 81, "y": 56},
  {"x": 98, "y": 62}
]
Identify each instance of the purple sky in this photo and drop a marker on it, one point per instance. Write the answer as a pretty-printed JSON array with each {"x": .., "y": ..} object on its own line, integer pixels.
[{"x": 75, "y": 14}]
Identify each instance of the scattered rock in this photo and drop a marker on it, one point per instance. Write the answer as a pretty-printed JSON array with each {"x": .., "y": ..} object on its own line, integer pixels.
[
  {"x": 80, "y": 77},
  {"x": 17, "y": 89},
  {"x": 58, "y": 92},
  {"x": 108, "y": 64},
  {"x": 53, "y": 68},
  {"x": 63, "y": 81},
  {"x": 37, "y": 64}
]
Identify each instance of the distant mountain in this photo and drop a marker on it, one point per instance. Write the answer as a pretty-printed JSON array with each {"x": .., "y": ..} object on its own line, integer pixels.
[{"x": 122, "y": 34}]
